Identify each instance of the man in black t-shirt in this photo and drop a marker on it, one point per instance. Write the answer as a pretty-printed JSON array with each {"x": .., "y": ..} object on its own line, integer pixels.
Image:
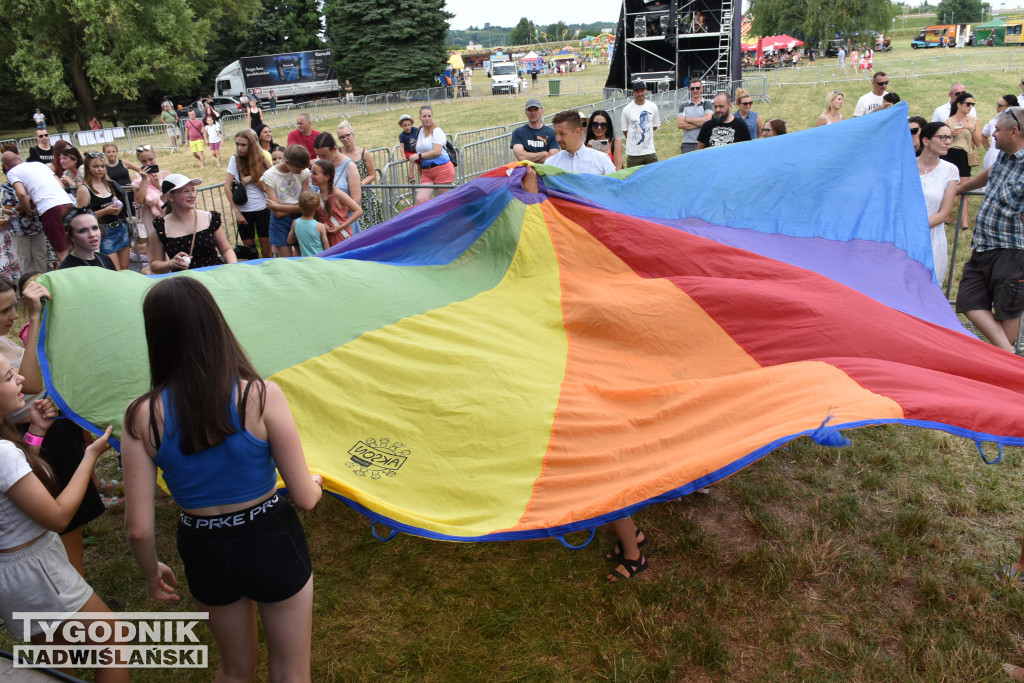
[
  {"x": 42, "y": 151},
  {"x": 723, "y": 128},
  {"x": 534, "y": 142}
]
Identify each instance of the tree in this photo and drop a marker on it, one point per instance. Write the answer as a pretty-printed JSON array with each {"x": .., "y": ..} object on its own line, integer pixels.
[
  {"x": 522, "y": 33},
  {"x": 69, "y": 52},
  {"x": 960, "y": 11},
  {"x": 384, "y": 45},
  {"x": 820, "y": 19},
  {"x": 557, "y": 31}
]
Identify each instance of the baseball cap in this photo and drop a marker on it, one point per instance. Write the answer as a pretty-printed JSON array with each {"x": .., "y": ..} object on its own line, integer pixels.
[
  {"x": 176, "y": 181},
  {"x": 404, "y": 117},
  {"x": 638, "y": 85},
  {"x": 534, "y": 102}
]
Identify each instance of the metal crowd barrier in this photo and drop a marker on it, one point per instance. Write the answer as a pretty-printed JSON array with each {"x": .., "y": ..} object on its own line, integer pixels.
[
  {"x": 157, "y": 136},
  {"x": 25, "y": 144},
  {"x": 211, "y": 198},
  {"x": 395, "y": 192},
  {"x": 231, "y": 124},
  {"x": 381, "y": 157},
  {"x": 479, "y": 157},
  {"x": 468, "y": 136}
]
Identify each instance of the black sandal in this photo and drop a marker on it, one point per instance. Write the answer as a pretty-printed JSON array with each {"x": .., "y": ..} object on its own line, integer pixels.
[
  {"x": 632, "y": 567},
  {"x": 615, "y": 554}
]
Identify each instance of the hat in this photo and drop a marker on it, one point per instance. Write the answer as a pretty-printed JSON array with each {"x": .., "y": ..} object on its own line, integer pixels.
[
  {"x": 638, "y": 85},
  {"x": 176, "y": 181},
  {"x": 534, "y": 102},
  {"x": 404, "y": 117}
]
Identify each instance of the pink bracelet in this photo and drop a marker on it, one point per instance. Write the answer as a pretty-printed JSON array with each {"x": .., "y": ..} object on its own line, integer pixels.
[{"x": 33, "y": 440}]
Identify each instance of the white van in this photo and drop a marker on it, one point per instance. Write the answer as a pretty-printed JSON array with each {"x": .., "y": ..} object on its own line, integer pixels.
[{"x": 504, "y": 78}]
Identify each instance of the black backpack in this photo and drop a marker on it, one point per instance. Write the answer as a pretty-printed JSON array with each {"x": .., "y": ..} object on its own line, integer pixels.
[{"x": 452, "y": 153}]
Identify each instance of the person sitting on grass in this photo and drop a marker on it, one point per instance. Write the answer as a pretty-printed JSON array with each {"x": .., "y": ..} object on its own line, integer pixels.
[{"x": 309, "y": 234}]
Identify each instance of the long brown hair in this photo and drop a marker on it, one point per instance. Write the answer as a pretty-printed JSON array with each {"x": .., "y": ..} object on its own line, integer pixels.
[
  {"x": 8, "y": 432},
  {"x": 195, "y": 357},
  {"x": 253, "y": 163}
]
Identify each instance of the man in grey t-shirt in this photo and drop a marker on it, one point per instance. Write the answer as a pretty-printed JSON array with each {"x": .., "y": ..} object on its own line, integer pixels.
[{"x": 692, "y": 115}]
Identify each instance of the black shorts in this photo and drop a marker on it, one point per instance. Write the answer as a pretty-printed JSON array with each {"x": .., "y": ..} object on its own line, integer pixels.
[
  {"x": 256, "y": 223},
  {"x": 993, "y": 278},
  {"x": 63, "y": 449},
  {"x": 259, "y": 553}
]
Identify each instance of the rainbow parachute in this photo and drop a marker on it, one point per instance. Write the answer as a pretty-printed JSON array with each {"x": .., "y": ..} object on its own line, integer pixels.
[{"x": 498, "y": 364}]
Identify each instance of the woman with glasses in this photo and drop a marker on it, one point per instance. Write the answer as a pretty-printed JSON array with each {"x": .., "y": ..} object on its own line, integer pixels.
[
  {"x": 916, "y": 123},
  {"x": 833, "y": 103},
  {"x": 601, "y": 136},
  {"x": 939, "y": 180},
  {"x": 187, "y": 238},
  {"x": 773, "y": 127},
  {"x": 966, "y": 138},
  {"x": 991, "y": 152},
  {"x": 746, "y": 114},
  {"x": 372, "y": 211},
  {"x": 108, "y": 205}
]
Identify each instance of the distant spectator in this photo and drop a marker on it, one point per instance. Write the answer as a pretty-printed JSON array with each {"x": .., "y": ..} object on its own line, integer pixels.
[
  {"x": 213, "y": 136},
  {"x": 916, "y": 123},
  {"x": 889, "y": 99},
  {"x": 574, "y": 156},
  {"x": 773, "y": 127},
  {"x": 94, "y": 124},
  {"x": 195, "y": 132},
  {"x": 407, "y": 138},
  {"x": 746, "y": 114},
  {"x": 432, "y": 157},
  {"x": 693, "y": 114},
  {"x": 171, "y": 120},
  {"x": 841, "y": 63},
  {"x": 723, "y": 128},
  {"x": 533, "y": 141},
  {"x": 38, "y": 189},
  {"x": 601, "y": 136},
  {"x": 304, "y": 134},
  {"x": 939, "y": 180},
  {"x": 833, "y": 103},
  {"x": 42, "y": 151},
  {"x": 966, "y": 139},
  {"x": 372, "y": 212},
  {"x": 348, "y": 91},
  {"x": 991, "y": 151},
  {"x": 40, "y": 118},
  {"x": 26, "y": 231},
  {"x": 272, "y": 101},
  {"x": 639, "y": 121},
  {"x": 944, "y": 111},
  {"x": 243, "y": 98},
  {"x": 871, "y": 101},
  {"x": 253, "y": 115}
]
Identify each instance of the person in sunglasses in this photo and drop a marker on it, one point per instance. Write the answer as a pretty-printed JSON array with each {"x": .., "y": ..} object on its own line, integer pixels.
[
  {"x": 42, "y": 152},
  {"x": 601, "y": 136},
  {"x": 692, "y": 115},
  {"x": 873, "y": 100},
  {"x": 945, "y": 110}
]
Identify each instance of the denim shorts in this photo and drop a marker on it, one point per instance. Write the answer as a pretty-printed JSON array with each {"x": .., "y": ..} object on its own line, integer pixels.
[
  {"x": 279, "y": 229},
  {"x": 115, "y": 237}
]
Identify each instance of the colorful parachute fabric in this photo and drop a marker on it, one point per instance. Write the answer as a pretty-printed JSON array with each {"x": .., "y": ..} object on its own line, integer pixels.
[{"x": 498, "y": 364}]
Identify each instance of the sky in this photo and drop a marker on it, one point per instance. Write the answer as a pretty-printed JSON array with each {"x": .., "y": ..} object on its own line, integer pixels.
[{"x": 479, "y": 12}]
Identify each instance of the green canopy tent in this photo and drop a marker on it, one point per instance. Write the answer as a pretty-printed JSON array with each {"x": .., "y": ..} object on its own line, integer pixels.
[{"x": 995, "y": 28}]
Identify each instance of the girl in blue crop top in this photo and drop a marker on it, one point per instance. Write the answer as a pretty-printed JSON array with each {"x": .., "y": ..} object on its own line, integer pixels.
[{"x": 218, "y": 431}]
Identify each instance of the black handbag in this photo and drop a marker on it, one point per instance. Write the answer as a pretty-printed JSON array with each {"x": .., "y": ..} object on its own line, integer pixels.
[{"x": 238, "y": 194}]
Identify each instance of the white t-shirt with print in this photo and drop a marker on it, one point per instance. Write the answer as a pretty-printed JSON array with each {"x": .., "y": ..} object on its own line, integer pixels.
[
  {"x": 287, "y": 185},
  {"x": 639, "y": 122}
]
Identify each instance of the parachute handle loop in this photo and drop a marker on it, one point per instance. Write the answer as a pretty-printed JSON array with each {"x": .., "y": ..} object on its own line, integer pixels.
[
  {"x": 373, "y": 530},
  {"x": 997, "y": 459},
  {"x": 570, "y": 546}
]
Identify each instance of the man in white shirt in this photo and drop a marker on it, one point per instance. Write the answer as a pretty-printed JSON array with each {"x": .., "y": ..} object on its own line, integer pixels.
[
  {"x": 942, "y": 111},
  {"x": 38, "y": 188},
  {"x": 872, "y": 100},
  {"x": 576, "y": 157},
  {"x": 638, "y": 122}
]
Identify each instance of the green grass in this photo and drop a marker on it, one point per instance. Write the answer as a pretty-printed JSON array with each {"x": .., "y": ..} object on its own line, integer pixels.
[{"x": 868, "y": 563}]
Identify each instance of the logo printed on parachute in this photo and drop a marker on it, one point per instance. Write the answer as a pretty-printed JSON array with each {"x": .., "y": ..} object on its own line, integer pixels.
[{"x": 377, "y": 456}]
